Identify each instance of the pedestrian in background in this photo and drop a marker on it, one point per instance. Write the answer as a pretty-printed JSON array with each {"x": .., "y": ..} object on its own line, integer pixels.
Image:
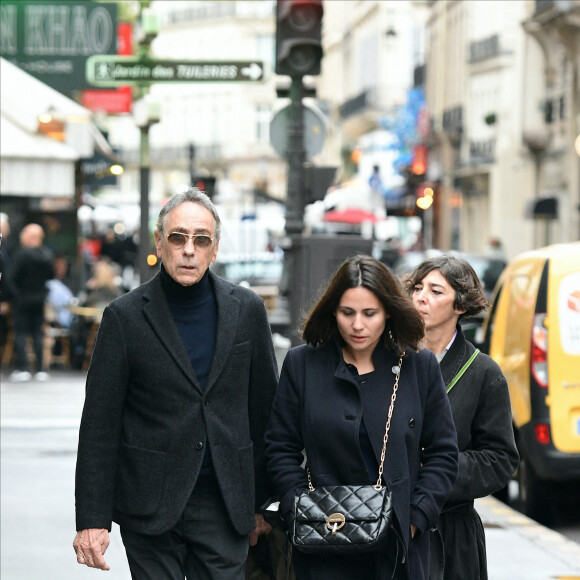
[
  {"x": 4, "y": 266},
  {"x": 112, "y": 248},
  {"x": 4, "y": 233},
  {"x": 495, "y": 249},
  {"x": 446, "y": 290},
  {"x": 30, "y": 270},
  {"x": 332, "y": 403},
  {"x": 103, "y": 286},
  {"x": 178, "y": 396},
  {"x": 60, "y": 296}
]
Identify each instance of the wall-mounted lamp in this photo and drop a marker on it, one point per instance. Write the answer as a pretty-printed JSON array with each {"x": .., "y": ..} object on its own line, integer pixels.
[
  {"x": 50, "y": 126},
  {"x": 44, "y": 118}
]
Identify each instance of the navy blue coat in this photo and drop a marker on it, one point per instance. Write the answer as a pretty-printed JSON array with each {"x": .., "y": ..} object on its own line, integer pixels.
[
  {"x": 146, "y": 421},
  {"x": 318, "y": 408}
]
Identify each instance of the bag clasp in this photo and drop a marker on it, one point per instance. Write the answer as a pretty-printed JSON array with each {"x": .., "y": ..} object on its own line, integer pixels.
[{"x": 335, "y": 522}]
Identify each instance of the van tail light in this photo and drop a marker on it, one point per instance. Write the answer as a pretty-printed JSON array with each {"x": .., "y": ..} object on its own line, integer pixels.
[
  {"x": 539, "y": 351},
  {"x": 542, "y": 432}
]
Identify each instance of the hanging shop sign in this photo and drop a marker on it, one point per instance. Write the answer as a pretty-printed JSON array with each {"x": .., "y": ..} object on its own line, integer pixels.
[{"x": 52, "y": 40}]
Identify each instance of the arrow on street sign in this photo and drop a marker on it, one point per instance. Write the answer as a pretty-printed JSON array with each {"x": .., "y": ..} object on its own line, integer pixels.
[
  {"x": 114, "y": 71},
  {"x": 254, "y": 71}
]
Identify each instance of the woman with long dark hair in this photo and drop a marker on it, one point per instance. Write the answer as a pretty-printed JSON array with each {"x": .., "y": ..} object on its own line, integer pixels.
[{"x": 332, "y": 404}]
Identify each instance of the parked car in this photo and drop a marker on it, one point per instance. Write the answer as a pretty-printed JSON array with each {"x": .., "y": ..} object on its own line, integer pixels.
[
  {"x": 410, "y": 259},
  {"x": 487, "y": 268},
  {"x": 532, "y": 331},
  {"x": 261, "y": 271}
]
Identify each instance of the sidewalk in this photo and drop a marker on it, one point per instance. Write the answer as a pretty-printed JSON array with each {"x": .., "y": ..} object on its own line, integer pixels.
[
  {"x": 38, "y": 455},
  {"x": 39, "y": 432},
  {"x": 518, "y": 548}
]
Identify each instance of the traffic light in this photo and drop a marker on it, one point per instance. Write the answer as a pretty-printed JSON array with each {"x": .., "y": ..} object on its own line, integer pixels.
[
  {"x": 420, "y": 159},
  {"x": 205, "y": 184},
  {"x": 298, "y": 37}
]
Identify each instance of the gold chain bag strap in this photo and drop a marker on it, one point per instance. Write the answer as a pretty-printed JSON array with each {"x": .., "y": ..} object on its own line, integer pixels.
[{"x": 345, "y": 519}]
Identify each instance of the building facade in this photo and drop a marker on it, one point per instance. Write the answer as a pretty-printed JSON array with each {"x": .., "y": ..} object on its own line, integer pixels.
[
  {"x": 502, "y": 93},
  {"x": 501, "y": 111},
  {"x": 218, "y": 129},
  {"x": 370, "y": 50}
]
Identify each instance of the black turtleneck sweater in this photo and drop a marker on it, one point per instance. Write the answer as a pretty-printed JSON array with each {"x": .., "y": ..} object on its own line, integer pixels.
[{"x": 194, "y": 310}]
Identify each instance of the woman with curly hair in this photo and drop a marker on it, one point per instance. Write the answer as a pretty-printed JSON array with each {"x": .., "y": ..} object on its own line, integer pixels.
[{"x": 445, "y": 290}]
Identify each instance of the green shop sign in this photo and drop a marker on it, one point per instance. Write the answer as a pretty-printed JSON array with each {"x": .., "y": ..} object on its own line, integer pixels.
[{"x": 52, "y": 40}]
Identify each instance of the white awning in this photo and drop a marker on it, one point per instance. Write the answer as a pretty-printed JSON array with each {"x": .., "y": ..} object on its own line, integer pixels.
[
  {"x": 18, "y": 143},
  {"x": 23, "y": 98},
  {"x": 34, "y": 165}
]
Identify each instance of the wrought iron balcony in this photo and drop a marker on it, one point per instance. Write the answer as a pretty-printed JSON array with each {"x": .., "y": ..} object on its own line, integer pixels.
[
  {"x": 482, "y": 151},
  {"x": 453, "y": 119},
  {"x": 484, "y": 49},
  {"x": 355, "y": 105},
  {"x": 546, "y": 11}
]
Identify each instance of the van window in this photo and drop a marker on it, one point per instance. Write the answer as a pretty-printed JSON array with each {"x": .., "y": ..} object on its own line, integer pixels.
[
  {"x": 519, "y": 315},
  {"x": 491, "y": 321}
]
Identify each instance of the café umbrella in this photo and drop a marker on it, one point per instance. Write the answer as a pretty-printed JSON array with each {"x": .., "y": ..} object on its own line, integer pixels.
[{"x": 350, "y": 216}]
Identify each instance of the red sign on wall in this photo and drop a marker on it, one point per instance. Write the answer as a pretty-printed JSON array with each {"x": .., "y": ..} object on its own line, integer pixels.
[
  {"x": 125, "y": 39},
  {"x": 113, "y": 100},
  {"x": 108, "y": 100}
]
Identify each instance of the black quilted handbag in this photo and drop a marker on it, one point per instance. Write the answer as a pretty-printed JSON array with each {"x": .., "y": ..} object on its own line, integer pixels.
[{"x": 345, "y": 519}]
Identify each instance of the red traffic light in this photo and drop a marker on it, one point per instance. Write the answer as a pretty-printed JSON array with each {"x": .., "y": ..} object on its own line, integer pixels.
[
  {"x": 302, "y": 15},
  {"x": 420, "y": 157},
  {"x": 298, "y": 37},
  {"x": 205, "y": 184}
]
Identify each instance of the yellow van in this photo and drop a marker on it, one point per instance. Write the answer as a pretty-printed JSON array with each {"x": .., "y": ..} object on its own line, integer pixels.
[{"x": 532, "y": 331}]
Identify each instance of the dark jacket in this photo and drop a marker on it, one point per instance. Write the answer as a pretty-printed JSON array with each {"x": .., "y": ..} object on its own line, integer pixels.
[
  {"x": 487, "y": 456},
  {"x": 30, "y": 270},
  {"x": 146, "y": 421},
  {"x": 318, "y": 408}
]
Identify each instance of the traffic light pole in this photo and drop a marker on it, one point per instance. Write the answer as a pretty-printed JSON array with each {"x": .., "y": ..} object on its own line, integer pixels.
[
  {"x": 144, "y": 242},
  {"x": 296, "y": 155},
  {"x": 191, "y": 158},
  {"x": 295, "y": 200},
  {"x": 298, "y": 53}
]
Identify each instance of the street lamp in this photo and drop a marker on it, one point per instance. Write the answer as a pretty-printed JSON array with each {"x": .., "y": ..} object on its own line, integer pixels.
[{"x": 146, "y": 112}]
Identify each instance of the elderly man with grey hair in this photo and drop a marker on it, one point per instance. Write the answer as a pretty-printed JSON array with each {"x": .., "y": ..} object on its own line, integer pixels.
[{"x": 178, "y": 396}]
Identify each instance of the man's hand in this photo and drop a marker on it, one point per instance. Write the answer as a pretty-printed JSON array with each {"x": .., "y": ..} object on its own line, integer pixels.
[
  {"x": 262, "y": 527},
  {"x": 90, "y": 547}
]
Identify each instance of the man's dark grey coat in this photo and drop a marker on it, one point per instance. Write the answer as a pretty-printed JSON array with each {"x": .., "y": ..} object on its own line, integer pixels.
[{"x": 146, "y": 422}]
